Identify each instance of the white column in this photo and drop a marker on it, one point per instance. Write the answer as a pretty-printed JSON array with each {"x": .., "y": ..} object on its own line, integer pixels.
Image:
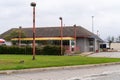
[
  {"x": 70, "y": 46},
  {"x": 95, "y": 45}
]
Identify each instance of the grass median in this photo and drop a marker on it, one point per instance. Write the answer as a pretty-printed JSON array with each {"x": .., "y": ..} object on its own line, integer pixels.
[{"x": 10, "y": 62}]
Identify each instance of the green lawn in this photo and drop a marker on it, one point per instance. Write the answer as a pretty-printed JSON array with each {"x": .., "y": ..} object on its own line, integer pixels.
[{"x": 8, "y": 62}]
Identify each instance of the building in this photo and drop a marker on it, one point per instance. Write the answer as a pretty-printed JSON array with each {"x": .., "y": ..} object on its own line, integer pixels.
[
  {"x": 115, "y": 46},
  {"x": 74, "y": 38}
]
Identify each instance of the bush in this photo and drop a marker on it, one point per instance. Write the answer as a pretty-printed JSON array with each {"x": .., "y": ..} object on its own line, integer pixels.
[
  {"x": 47, "y": 50},
  {"x": 15, "y": 50},
  {"x": 52, "y": 50}
]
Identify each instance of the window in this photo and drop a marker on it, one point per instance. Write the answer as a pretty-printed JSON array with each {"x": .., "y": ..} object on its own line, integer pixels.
[{"x": 91, "y": 42}]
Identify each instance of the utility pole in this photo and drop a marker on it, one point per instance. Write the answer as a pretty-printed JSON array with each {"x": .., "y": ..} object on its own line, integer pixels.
[{"x": 93, "y": 24}]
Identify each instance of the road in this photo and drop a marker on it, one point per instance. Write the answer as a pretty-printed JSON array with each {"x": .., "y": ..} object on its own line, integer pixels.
[
  {"x": 92, "y": 73},
  {"x": 111, "y": 72}
]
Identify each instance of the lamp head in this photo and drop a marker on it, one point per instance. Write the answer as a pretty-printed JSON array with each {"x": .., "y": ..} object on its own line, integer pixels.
[
  {"x": 33, "y": 4},
  {"x": 60, "y": 18},
  {"x": 74, "y": 25}
]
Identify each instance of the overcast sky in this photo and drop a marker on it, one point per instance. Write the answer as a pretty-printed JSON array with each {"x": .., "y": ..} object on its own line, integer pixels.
[{"x": 15, "y": 13}]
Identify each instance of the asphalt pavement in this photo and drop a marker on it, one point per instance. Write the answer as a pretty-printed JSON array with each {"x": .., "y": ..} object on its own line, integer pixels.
[
  {"x": 111, "y": 72},
  {"x": 106, "y": 54}
]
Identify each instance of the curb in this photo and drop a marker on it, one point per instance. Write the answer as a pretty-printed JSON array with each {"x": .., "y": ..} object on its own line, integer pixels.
[{"x": 57, "y": 68}]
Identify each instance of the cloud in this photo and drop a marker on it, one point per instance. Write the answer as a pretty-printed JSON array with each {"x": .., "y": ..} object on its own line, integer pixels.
[{"x": 16, "y": 13}]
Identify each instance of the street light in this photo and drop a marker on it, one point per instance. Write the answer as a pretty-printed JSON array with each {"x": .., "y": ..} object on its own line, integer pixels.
[
  {"x": 61, "y": 34},
  {"x": 75, "y": 37},
  {"x": 33, "y": 4},
  {"x": 19, "y": 39}
]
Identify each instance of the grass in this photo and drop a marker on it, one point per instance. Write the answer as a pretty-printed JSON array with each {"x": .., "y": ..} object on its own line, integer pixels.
[{"x": 9, "y": 62}]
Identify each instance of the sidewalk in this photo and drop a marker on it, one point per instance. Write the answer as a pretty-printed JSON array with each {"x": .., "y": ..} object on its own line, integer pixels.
[{"x": 86, "y": 53}]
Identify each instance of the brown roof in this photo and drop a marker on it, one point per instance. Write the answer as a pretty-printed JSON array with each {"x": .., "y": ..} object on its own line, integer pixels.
[{"x": 68, "y": 31}]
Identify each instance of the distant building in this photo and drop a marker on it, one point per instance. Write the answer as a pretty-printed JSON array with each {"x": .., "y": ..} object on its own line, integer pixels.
[
  {"x": 86, "y": 41},
  {"x": 115, "y": 46}
]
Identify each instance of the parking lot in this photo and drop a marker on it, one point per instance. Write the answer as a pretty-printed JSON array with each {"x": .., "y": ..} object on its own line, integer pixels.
[{"x": 106, "y": 54}]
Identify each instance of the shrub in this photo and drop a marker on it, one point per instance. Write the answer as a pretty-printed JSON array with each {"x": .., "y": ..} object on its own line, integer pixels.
[
  {"x": 52, "y": 50},
  {"x": 47, "y": 50},
  {"x": 15, "y": 50}
]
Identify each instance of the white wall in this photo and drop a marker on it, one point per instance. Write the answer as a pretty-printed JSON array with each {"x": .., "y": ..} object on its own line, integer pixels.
[{"x": 83, "y": 44}]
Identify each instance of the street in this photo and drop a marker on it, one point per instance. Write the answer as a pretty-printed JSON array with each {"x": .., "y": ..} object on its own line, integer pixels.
[
  {"x": 111, "y": 72},
  {"x": 93, "y": 73}
]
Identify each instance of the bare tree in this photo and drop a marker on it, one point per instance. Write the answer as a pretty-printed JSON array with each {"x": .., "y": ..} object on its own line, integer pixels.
[{"x": 110, "y": 40}]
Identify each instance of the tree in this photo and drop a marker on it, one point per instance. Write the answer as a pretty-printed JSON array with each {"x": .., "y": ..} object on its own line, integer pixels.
[
  {"x": 118, "y": 39},
  {"x": 110, "y": 40},
  {"x": 15, "y": 34}
]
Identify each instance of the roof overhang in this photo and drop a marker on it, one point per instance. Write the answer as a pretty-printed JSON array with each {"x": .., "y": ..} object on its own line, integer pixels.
[{"x": 44, "y": 38}]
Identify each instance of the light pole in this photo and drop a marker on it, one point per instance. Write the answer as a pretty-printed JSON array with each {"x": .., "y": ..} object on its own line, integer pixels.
[
  {"x": 61, "y": 34},
  {"x": 75, "y": 37},
  {"x": 33, "y": 4},
  {"x": 19, "y": 43}
]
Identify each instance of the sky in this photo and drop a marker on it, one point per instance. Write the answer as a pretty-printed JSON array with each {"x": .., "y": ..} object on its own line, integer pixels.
[{"x": 15, "y": 13}]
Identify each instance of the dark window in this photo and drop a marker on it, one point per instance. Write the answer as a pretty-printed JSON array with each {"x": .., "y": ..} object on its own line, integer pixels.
[
  {"x": 103, "y": 46},
  {"x": 66, "y": 42},
  {"x": 91, "y": 42}
]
